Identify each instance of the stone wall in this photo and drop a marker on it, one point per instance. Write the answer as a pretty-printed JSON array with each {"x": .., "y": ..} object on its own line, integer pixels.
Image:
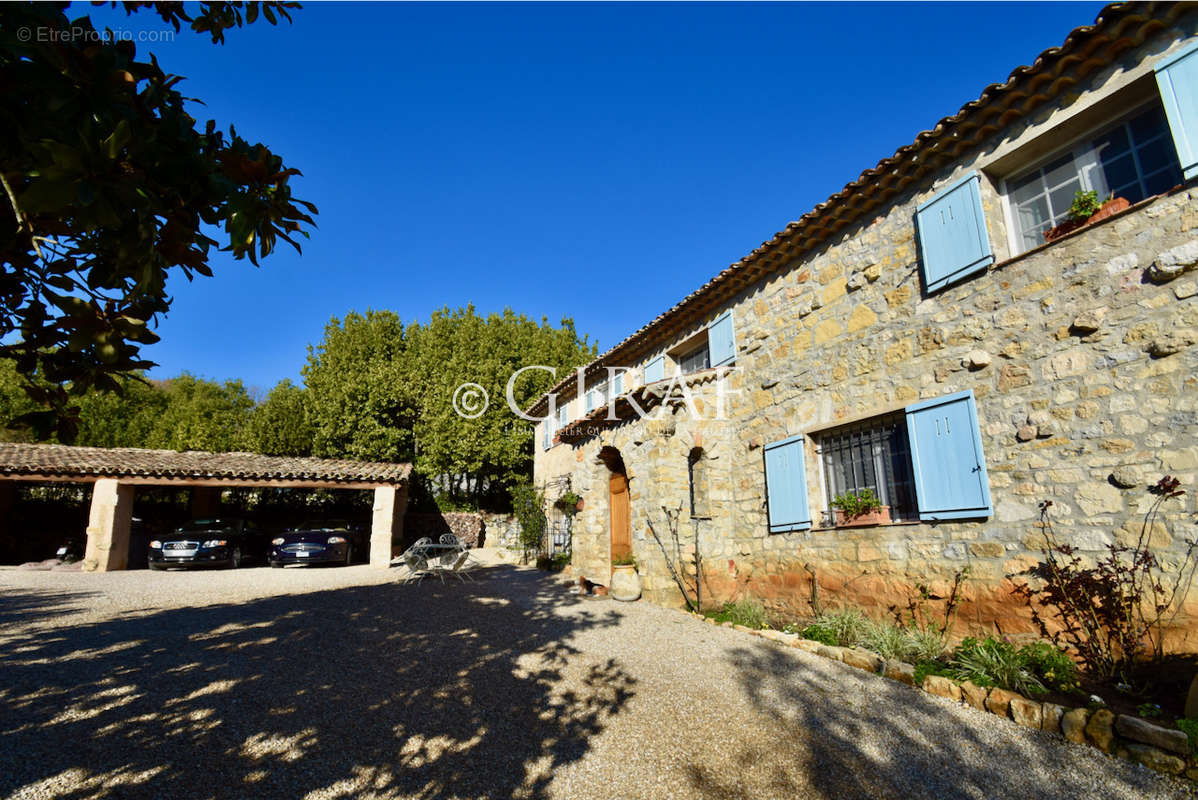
[
  {"x": 501, "y": 530},
  {"x": 477, "y": 529},
  {"x": 1081, "y": 357}
]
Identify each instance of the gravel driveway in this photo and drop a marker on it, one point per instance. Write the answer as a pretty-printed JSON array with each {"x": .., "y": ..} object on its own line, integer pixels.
[{"x": 342, "y": 683}]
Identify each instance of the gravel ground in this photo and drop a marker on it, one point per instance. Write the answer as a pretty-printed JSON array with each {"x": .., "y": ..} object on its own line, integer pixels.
[{"x": 330, "y": 683}]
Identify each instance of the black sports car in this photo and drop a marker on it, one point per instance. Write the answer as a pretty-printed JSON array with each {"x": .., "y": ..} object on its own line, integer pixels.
[
  {"x": 324, "y": 542},
  {"x": 226, "y": 542}
]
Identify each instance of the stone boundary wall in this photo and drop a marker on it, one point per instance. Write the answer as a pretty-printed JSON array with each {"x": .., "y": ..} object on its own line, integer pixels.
[
  {"x": 1165, "y": 750},
  {"x": 476, "y": 529}
]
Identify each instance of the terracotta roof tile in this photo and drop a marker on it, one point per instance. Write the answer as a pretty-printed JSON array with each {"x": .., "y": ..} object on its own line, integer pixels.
[
  {"x": 61, "y": 461},
  {"x": 1118, "y": 27}
]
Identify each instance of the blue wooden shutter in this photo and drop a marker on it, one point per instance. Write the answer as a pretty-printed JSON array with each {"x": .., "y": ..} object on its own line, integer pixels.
[
  {"x": 786, "y": 486},
  {"x": 545, "y": 440},
  {"x": 947, "y": 458},
  {"x": 617, "y": 385},
  {"x": 655, "y": 370},
  {"x": 563, "y": 416},
  {"x": 590, "y": 401},
  {"x": 1177, "y": 77},
  {"x": 721, "y": 340},
  {"x": 952, "y": 234}
]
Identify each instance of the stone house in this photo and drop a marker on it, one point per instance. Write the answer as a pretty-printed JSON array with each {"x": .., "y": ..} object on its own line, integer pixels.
[{"x": 916, "y": 335}]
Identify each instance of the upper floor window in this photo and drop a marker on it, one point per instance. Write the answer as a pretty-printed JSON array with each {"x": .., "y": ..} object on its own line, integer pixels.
[
  {"x": 1133, "y": 159},
  {"x": 695, "y": 360}
]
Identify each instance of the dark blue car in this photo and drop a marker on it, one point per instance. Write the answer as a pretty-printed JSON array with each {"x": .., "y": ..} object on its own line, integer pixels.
[
  {"x": 325, "y": 542},
  {"x": 224, "y": 542}
]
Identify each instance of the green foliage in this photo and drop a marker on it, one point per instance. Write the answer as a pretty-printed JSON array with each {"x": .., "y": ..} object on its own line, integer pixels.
[
  {"x": 108, "y": 186},
  {"x": 1085, "y": 205},
  {"x": 930, "y": 667},
  {"x": 202, "y": 415},
  {"x": 555, "y": 564},
  {"x": 819, "y": 633},
  {"x": 281, "y": 425},
  {"x": 1149, "y": 710},
  {"x": 1108, "y": 610},
  {"x": 854, "y": 504},
  {"x": 904, "y": 644},
  {"x": 359, "y": 396},
  {"x": 747, "y": 612},
  {"x": 1031, "y": 670},
  {"x": 528, "y": 505},
  {"x": 567, "y": 504},
  {"x": 626, "y": 560},
  {"x": 1189, "y": 726},
  {"x": 378, "y": 390},
  {"x": 849, "y": 626}
]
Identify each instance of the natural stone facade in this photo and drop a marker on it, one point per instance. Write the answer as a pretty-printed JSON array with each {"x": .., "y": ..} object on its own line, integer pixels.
[{"x": 1080, "y": 353}]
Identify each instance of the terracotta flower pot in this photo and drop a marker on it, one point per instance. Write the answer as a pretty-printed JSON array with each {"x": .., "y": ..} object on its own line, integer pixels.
[
  {"x": 1112, "y": 206},
  {"x": 879, "y": 516},
  {"x": 1068, "y": 226}
]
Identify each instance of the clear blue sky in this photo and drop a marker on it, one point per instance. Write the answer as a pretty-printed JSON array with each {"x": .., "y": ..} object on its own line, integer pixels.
[{"x": 592, "y": 161}]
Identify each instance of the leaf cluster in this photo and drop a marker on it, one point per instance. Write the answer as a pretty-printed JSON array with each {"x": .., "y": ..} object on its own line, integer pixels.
[
  {"x": 109, "y": 187},
  {"x": 854, "y": 504}
]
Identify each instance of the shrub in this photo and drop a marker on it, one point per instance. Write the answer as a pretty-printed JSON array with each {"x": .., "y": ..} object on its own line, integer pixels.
[
  {"x": 993, "y": 662},
  {"x": 1054, "y": 666},
  {"x": 819, "y": 633},
  {"x": 746, "y": 612},
  {"x": 1189, "y": 726},
  {"x": 849, "y": 626},
  {"x": 1106, "y": 612},
  {"x": 1031, "y": 670},
  {"x": 899, "y": 642}
]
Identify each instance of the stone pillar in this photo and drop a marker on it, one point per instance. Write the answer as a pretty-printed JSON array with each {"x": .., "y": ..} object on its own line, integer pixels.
[
  {"x": 205, "y": 502},
  {"x": 108, "y": 526},
  {"x": 388, "y": 512}
]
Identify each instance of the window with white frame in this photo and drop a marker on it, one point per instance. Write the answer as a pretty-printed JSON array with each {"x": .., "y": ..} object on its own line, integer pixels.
[{"x": 1134, "y": 158}]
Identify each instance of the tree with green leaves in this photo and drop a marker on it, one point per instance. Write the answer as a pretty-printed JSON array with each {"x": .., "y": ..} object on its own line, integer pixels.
[
  {"x": 109, "y": 186},
  {"x": 380, "y": 390},
  {"x": 357, "y": 391},
  {"x": 202, "y": 415},
  {"x": 281, "y": 424}
]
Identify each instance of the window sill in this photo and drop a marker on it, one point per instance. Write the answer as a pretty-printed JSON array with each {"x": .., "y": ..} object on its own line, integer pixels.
[
  {"x": 1147, "y": 201},
  {"x": 892, "y": 524}
]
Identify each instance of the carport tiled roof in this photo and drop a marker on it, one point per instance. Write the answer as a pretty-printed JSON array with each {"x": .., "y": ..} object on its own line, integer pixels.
[
  {"x": 1118, "y": 28},
  {"x": 63, "y": 462}
]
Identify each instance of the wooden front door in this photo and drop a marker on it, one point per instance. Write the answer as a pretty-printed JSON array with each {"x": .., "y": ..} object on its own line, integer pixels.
[{"x": 621, "y": 530}]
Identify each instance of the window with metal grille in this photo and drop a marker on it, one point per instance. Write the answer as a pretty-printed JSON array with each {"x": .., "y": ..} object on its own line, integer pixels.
[
  {"x": 872, "y": 455},
  {"x": 695, "y": 360}
]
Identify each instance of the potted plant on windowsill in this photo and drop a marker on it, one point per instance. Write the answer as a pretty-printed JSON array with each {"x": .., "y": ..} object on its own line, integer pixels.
[
  {"x": 569, "y": 504},
  {"x": 1086, "y": 209},
  {"x": 625, "y": 582},
  {"x": 854, "y": 509}
]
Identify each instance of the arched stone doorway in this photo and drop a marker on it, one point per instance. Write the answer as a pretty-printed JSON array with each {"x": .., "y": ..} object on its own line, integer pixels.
[{"x": 619, "y": 508}]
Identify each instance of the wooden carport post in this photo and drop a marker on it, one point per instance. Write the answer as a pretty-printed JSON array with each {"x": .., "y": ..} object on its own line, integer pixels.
[
  {"x": 108, "y": 526},
  {"x": 387, "y": 523}
]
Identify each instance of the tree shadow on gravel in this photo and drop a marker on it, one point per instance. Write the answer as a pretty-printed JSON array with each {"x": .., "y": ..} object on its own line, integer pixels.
[
  {"x": 28, "y": 606},
  {"x": 429, "y": 690},
  {"x": 844, "y": 734}
]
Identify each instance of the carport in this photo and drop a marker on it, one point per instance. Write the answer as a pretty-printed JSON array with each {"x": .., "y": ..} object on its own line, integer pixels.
[{"x": 115, "y": 472}]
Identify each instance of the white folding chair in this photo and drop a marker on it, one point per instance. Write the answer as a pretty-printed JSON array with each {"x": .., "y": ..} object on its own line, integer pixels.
[
  {"x": 417, "y": 565},
  {"x": 461, "y": 567}
]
